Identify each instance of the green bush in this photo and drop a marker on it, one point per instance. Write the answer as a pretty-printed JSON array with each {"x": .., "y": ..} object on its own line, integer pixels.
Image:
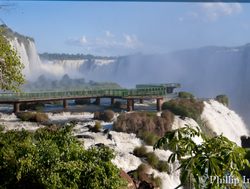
[
  {"x": 184, "y": 107},
  {"x": 41, "y": 117},
  {"x": 140, "y": 151},
  {"x": 142, "y": 170},
  {"x": 152, "y": 159},
  {"x": 54, "y": 159},
  {"x": 33, "y": 116},
  {"x": 1, "y": 128},
  {"x": 97, "y": 127},
  {"x": 223, "y": 99},
  {"x": 185, "y": 95},
  {"x": 163, "y": 166},
  {"x": 148, "y": 137}
]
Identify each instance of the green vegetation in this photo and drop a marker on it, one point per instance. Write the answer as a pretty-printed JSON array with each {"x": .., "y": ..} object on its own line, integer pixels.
[
  {"x": 163, "y": 166},
  {"x": 64, "y": 56},
  {"x": 97, "y": 127},
  {"x": 43, "y": 83},
  {"x": 146, "y": 125},
  {"x": 142, "y": 169},
  {"x": 148, "y": 137},
  {"x": 185, "y": 107},
  {"x": 53, "y": 158},
  {"x": 141, "y": 176},
  {"x": 223, "y": 99},
  {"x": 216, "y": 156},
  {"x": 140, "y": 151},
  {"x": 11, "y": 67},
  {"x": 33, "y": 116},
  {"x": 7, "y": 32},
  {"x": 152, "y": 159},
  {"x": 185, "y": 95},
  {"x": 106, "y": 116}
]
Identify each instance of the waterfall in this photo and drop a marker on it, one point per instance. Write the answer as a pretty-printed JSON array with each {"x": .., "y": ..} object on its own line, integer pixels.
[
  {"x": 29, "y": 57},
  {"x": 224, "y": 121}
]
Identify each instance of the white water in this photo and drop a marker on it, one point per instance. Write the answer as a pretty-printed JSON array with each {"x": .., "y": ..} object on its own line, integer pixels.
[
  {"x": 224, "y": 121},
  {"x": 56, "y": 68}
]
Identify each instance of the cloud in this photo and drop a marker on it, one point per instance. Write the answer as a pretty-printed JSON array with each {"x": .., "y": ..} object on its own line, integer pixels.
[
  {"x": 77, "y": 41},
  {"x": 109, "y": 34},
  {"x": 213, "y": 11},
  {"x": 125, "y": 43},
  {"x": 131, "y": 41}
]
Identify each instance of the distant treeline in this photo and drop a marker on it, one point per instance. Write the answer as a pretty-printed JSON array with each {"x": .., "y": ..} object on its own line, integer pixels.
[
  {"x": 66, "y": 83},
  {"x": 64, "y": 56}
]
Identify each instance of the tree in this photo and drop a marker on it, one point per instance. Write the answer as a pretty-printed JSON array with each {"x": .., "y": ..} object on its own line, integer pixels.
[
  {"x": 11, "y": 76},
  {"x": 203, "y": 164},
  {"x": 52, "y": 157}
]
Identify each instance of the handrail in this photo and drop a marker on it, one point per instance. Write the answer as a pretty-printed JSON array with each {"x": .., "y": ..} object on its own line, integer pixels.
[{"x": 122, "y": 93}]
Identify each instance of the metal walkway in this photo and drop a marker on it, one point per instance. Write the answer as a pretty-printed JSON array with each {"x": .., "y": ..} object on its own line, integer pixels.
[{"x": 157, "y": 91}]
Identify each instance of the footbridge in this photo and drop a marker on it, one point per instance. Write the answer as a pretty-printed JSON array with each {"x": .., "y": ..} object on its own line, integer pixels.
[{"x": 141, "y": 92}]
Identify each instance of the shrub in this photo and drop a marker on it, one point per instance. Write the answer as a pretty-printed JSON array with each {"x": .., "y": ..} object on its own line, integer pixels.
[
  {"x": 97, "y": 127},
  {"x": 184, "y": 107},
  {"x": 142, "y": 170},
  {"x": 106, "y": 116},
  {"x": 54, "y": 159},
  {"x": 223, "y": 99},
  {"x": 148, "y": 137},
  {"x": 163, "y": 166},
  {"x": 33, "y": 116},
  {"x": 1, "y": 128},
  {"x": 140, "y": 122},
  {"x": 152, "y": 159},
  {"x": 185, "y": 95},
  {"x": 26, "y": 116},
  {"x": 140, "y": 151},
  {"x": 41, "y": 117}
]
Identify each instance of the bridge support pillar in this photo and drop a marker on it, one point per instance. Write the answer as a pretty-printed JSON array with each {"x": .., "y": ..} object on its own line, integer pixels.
[
  {"x": 141, "y": 101},
  {"x": 130, "y": 105},
  {"x": 97, "y": 101},
  {"x": 16, "y": 107},
  {"x": 112, "y": 100},
  {"x": 159, "y": 102},
  {"x": 65, "y": 104}
]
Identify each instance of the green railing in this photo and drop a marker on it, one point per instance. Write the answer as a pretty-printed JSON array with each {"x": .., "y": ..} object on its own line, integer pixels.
[{"x": 121, "y": 93}]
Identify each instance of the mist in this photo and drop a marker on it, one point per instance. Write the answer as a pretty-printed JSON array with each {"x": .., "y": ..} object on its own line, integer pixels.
[{"x": 206, "y": 72}]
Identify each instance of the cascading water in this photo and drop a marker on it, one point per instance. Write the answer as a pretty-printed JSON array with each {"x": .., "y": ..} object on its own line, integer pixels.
[
  {"x": 29, "y": 57},
  {"x": 224, "y": 121}
]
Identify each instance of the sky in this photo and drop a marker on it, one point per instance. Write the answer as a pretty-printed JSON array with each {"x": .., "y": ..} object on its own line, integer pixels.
[{"x": 122, "y": 28}]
